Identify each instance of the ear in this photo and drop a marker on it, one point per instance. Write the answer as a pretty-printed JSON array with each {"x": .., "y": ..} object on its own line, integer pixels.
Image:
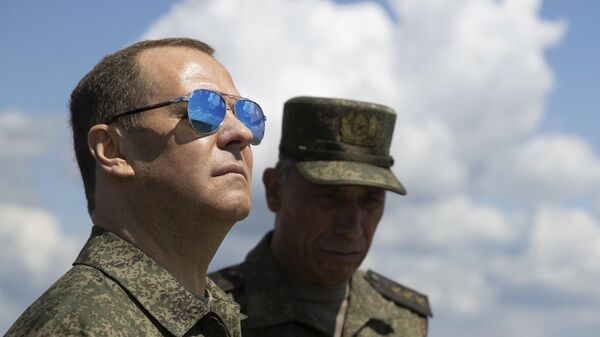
[
  {"x": 273, "y": 186},
  {"x": 105, "y": 146}
]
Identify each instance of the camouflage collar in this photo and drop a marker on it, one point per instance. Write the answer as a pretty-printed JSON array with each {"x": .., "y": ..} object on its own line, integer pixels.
[
  {"x": 175, "y": 308},
  {"x": 363, "y": 305},
  {"x": 272, "y": 300}
]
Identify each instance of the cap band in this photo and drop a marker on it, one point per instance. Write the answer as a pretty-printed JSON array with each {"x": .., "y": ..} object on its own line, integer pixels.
[{"x": 302, "y": 153}]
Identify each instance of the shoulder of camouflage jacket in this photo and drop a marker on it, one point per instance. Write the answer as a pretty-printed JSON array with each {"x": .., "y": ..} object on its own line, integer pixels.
[
  {"x": 399, "y": 294},
  {"x": 229, "y": 278},
  {"x": 82, "y": 301}
]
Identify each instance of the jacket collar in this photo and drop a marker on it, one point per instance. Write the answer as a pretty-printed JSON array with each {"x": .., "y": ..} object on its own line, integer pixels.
[
  {"x": 175, "y": 308},
  {"x": 270, "y": 298}
]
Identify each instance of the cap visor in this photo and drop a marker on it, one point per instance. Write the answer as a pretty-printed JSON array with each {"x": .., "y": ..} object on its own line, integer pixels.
[{"x": 349, "y": 173}]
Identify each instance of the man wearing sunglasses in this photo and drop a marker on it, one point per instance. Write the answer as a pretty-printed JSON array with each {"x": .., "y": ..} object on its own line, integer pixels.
[
  {"x": 163, "y": 142},
  {"x": 328, "y": 194}
]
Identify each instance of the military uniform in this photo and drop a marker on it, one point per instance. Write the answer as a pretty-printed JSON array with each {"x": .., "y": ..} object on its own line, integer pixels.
[
  {"x": 377, "y": 306},
  {"x": 331, "y": 142},
  {"x": 114, "y": 289}
]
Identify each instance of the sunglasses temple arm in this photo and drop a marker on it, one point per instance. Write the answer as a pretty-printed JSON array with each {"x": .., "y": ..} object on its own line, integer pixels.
[{"x": 149, "y": 107}]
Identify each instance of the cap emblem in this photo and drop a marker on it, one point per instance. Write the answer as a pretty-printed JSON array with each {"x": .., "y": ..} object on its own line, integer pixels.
[{"x": 359, "y": 129}]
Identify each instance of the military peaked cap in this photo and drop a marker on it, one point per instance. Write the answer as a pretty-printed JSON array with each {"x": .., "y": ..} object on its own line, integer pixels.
[{"x": 340, "y": 141}]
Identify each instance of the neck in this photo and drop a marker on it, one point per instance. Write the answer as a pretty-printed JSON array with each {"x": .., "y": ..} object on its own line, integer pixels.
[
  {"x": 318, "y": 292},
  {"x": 184, "y": 249}
]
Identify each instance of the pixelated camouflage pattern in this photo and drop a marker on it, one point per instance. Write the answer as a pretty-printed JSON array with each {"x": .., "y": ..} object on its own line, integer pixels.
[
  {"x": 114, "y": 289},
  {"x": 349, "y": 173},
  {"x": 398, "y": 293},
  {"x": 273, "y": 309},
  {"x": 356, "y": 135}
]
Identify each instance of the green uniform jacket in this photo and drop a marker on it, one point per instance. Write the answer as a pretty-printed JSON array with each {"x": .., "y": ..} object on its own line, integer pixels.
[
  {"x": 113, "y": 289},
  {"x": 377, "y": 306}
]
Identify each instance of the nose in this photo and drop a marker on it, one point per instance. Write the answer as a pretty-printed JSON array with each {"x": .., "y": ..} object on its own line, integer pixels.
[
  {"x": 233, "y": 132},
  {"x": 349, "y": 223}
]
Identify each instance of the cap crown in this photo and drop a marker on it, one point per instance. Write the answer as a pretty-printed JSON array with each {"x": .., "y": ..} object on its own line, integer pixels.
[{"x": 328, "y": 129}]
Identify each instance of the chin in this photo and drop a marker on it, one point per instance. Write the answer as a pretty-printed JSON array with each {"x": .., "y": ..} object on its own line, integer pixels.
[
  {"x": 237, "y": 209},
  {"x": 241, "y": 213}
]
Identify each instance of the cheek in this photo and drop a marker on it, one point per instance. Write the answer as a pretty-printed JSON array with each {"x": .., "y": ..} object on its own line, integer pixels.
[
  {"x": 191, "y": 163},
  {"x": 319, "y": 228},
  {"x": 308, "y": 226},
  {"x": 371, "y": 226}
]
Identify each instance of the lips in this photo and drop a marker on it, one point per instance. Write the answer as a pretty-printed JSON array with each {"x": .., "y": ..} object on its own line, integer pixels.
[
  {"x": 230, "y": 169},
  {"x": 342, "y": 252},
  {"x": 343, "y": 255}
]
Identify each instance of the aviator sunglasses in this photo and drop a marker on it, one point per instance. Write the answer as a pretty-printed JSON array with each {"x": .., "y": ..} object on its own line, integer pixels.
[{"x": 206, "y": 112}]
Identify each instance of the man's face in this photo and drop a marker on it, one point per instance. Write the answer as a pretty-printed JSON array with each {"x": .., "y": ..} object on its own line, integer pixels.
[
  {"x": 185, "y": 175},
  {"x": 323, "y": 233}
]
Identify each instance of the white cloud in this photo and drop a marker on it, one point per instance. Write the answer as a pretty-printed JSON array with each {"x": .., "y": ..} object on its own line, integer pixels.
[
  {"x": 468, "y": 80},
  {"x": 563, "y": 253},
  {"x": 544, "y": 167},
  {"x": 21, "y": 135},
  {"x": 25, "y": 141},
  {"x": 33, "y": 242},
  {"x": 477, "y": 65},
  {"x": 34, "y": 252},
  {"x": 451, "y": 223},
  {"x": 426, "y": 158}
]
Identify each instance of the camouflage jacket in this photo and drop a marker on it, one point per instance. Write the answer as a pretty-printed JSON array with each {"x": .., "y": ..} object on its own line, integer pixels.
[
  {"x": 113, "y": 289},
  {"x": 377, "y": 306}
]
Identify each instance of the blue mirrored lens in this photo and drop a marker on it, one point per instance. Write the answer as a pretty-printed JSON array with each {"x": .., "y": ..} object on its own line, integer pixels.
[
  {"x": 206, "y": 110},
  {"x": 251, "y": 115}
]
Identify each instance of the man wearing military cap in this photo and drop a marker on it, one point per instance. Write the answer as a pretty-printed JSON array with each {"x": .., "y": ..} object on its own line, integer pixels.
[{"x": 328, "y": 194}]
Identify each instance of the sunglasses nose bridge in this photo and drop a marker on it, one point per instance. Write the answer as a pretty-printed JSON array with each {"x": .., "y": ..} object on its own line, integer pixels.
[
  {"x": 230, "y": 103},
  {"x": 233, "y": 125},
  {"x": 231, "y": 107}
]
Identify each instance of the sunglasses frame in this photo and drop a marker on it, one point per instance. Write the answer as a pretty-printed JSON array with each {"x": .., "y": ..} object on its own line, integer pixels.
[{"x": 182, "y": 99}]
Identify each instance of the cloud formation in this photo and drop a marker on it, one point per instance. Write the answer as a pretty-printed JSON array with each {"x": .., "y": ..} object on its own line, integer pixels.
[
  {"x": 546, "y": 167},
  {"x": 35, "y": 151},
  {"x": 34, "y": 252},
  {"x": 34, "y": 248},
  {"x": 501, "y": 223}
]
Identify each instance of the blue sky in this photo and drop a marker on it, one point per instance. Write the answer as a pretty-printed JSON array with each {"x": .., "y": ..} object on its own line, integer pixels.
[
  {"x": 496, "y": 139},
  {"x": 48, "y": 47},
  {"x": 573, "y": 104}
]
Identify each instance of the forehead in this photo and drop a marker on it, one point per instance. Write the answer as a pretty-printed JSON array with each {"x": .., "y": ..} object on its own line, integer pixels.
[{"x": 179, "y": 70}]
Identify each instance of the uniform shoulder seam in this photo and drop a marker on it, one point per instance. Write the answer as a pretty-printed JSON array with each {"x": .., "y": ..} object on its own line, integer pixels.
[{"x": 399, "y": 294}]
